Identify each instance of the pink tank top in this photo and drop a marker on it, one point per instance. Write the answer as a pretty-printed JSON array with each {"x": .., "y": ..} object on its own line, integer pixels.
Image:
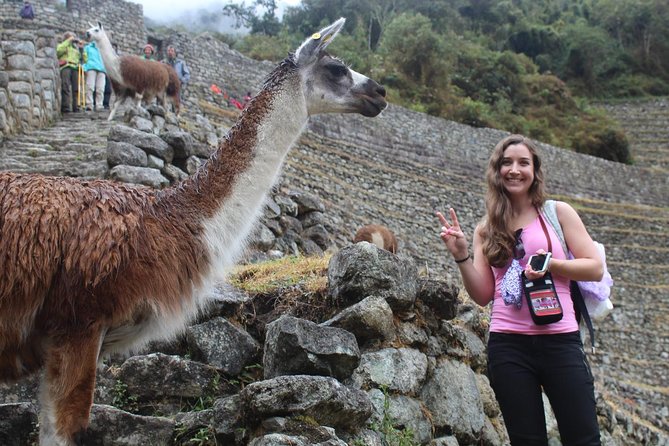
[{"x": 508, "y": 318}]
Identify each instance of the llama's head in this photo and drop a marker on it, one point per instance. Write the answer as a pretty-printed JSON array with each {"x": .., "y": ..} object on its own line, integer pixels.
[
  {"x": 95, "y": 33},
  {"x": 330, "y": 86}
]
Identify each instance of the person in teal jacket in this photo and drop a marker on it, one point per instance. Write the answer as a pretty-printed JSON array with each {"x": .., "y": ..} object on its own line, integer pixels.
[
  {"x": 70, "y": 54},
  {"x": 95, "y": 77}
]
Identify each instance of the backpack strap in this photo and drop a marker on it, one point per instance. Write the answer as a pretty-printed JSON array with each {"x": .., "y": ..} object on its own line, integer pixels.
[{"x": 550, "y": 212}]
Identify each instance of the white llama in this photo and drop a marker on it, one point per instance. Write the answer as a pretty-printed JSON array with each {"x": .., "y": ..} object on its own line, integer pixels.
[
  {"x": 132, "y": 76},
  {"x": 94, "y": 267}
]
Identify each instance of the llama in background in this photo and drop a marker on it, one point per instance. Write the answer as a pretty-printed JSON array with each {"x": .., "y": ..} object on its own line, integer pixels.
[
  {"x": 378, "y": 235},
  {"x": 131, "y": 76},
  {"x": 91, "y": 268}
]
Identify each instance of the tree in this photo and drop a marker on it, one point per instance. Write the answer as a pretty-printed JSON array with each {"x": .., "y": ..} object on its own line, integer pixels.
[
  {"x": 267, "y": 23},
  {"x": 411, "y": 47},
  {"x": 592, "y": 56}
]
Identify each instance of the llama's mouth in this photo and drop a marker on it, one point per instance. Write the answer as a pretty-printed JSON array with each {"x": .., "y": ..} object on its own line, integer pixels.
[{"x": 373, "y": 106}]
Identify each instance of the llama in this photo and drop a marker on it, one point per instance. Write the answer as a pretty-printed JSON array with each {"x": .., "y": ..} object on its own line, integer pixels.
[
  {"x": 91, "y": 268},
  {"x": 378, "y": 235},
  {"x": 131, "y": 76},
  {"x": 172, "y": 93}
]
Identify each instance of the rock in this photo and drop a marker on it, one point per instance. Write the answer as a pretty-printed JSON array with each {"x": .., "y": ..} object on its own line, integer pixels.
[
  {"x": 296, "y": 346},
  {"x": 112, "y": 426},
  {"x": 362, "y": 270},
  {"x": 139, "y": 175},
  {"x": 223, "y": 345},
  {"x": 401, "y": 370},
  {"x": 324, "y": 399},
  {"x": 370, "y": 320},
  {"x": 18, "y": 423}
]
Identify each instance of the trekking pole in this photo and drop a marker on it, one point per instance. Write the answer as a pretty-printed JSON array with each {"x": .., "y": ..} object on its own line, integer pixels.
[{"x": 81, "y": 93}]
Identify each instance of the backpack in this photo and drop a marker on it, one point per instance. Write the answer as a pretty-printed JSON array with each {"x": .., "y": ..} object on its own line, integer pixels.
[{"x": 591, "y": 299}]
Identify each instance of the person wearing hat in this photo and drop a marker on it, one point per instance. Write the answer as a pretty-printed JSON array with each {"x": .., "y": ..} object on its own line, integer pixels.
[
  {"x": 70, "y": 55},
  {"x": 149, "y": 52}
]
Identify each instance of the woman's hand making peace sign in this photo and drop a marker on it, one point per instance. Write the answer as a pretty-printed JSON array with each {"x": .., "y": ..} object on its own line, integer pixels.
[{"x": 453, "y": 237}]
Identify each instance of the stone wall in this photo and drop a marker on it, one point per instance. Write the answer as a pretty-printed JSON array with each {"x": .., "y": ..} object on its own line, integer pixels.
[
  {"x": 125, "y": 20},
  {"x": 29, "y": 76},
  {"x": 29, "y": 80}
]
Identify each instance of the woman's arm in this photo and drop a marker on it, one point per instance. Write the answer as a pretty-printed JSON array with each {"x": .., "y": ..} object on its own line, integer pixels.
[
  {"x": 587, "y": 263},
  {"x": 476, "y": 274}
]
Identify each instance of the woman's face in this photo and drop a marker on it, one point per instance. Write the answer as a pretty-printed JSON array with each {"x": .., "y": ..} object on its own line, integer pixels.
[
  {"x": 147, "y": 51},
  {"x": 517, "y": 170}
]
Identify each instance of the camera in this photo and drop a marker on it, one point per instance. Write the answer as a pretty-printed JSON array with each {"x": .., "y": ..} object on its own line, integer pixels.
[{"x": 539, "y": 262}]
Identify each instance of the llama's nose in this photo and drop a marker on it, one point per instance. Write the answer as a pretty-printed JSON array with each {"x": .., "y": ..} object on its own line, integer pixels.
[{"x": 381, "y": 91}]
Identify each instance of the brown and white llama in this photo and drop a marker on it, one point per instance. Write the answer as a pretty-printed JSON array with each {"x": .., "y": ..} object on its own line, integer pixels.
[
  {"x": 89, "y": 268},
  {"x": 378, "y": 235},
  {"x": 133, "y": 77}
]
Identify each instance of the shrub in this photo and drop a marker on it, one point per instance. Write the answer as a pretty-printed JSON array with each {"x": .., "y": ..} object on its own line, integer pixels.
[{"x": 607, "y": 143}]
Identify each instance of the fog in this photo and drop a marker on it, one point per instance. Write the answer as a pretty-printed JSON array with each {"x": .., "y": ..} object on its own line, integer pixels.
[{"x": 197, "y": 15}]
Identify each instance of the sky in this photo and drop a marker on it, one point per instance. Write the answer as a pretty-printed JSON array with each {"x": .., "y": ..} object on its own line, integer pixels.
[{"x": 161, "y": 10}]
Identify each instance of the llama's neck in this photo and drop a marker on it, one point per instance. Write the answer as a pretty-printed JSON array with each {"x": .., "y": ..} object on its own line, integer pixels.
[
  {"x": 230, "y": 190},
  {"x": 110, "y": 59}
]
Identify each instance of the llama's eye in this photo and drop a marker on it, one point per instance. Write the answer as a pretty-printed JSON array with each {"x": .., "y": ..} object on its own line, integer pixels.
[{"x": 337, "y": 70}]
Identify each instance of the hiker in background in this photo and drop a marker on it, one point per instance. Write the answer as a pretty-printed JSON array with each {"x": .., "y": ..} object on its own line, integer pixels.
[
  {"x": 179, "y": 66},
  {"x": 26, "y": 11},
  {"x": 95, "y": 77},
  {"x": 523, "y": 356},
  {"x": 70, "y": 55},
  {"x": 108, "y": 86},
  {"x": 247, "y": 99},
  {"x": 149, "y": 52}
]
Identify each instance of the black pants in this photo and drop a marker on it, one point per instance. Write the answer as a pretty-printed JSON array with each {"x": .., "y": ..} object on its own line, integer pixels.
[
  {"x": 520, "y": 365},
  {"x": 107, "y": 94},
  {"x": 69, "y": 88}
]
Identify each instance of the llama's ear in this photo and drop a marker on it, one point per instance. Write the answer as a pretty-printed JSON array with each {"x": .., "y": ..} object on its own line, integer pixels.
[
  {"x": 318, "y": 42},
  {"x": 100, "y": 25}
]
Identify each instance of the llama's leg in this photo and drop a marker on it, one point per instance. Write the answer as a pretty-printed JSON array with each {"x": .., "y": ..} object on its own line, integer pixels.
[
  {"x": 21, "y": 361},
  {"x": 162, "y": 99},
  {"x": 138, "y": 100},
  {"x": 117, "y": 101},
  {"x": 67, "y": 388}
]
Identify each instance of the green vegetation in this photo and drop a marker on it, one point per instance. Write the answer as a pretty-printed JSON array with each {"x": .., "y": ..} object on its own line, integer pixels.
[
  {"x": 203, "y": 436},
  {"x": 391, "y": 435},
  {"x": 122, "y": 399},
  {"x": 526, "y": 66},
  {"x": 251, "y": 373},
  {"x": 207, "y": 400}
]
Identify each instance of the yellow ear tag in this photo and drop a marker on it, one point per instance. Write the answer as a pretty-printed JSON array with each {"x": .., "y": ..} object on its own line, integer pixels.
[{"x": 316, "y": 36}]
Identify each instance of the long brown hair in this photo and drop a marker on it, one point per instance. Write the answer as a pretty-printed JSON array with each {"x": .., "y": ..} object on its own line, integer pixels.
[{"x": 498, "y": 237}]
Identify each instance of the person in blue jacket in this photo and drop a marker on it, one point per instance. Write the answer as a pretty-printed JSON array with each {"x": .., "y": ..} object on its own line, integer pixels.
[
  {"x": 95, "y": 77},
  {"x": 179, "y": 66}
]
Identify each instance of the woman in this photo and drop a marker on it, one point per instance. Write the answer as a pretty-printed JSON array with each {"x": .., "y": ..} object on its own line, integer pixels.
[
  {"x": 95, "y": 77},
  {"x": 148, "y": 52},
  {"x": 524, "y": 357}
]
